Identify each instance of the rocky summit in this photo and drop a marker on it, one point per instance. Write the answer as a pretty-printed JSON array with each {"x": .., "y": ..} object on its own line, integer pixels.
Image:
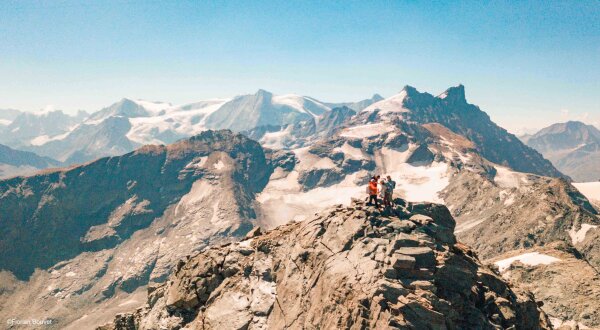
[{"x": 353, "y": 267}]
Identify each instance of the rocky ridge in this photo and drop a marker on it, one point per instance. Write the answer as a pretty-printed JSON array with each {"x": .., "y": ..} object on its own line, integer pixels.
[
  {"x": 81, "y": 243},
  {"x": 348, "y": 267}
]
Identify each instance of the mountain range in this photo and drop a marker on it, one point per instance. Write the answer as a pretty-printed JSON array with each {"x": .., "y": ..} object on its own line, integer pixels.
[
  {"x": 150, "y": 234},
  {"x": 573, "y": 147},
  {"x": 129, "y": 124}
]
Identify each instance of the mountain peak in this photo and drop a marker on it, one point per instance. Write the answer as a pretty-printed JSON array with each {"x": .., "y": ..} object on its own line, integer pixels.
[
  {"x": 575, "y": 124},
  {"x": 570, "y": 126},
  {"x": 454, "y": 94},
  {"x": 409, "y": 90},
  {"x": 262, "y": 92},
  {"x": 376, "y": 97}
]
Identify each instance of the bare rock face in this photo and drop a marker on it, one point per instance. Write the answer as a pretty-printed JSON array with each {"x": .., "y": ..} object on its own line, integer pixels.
[{"x": 349, "y": 267}]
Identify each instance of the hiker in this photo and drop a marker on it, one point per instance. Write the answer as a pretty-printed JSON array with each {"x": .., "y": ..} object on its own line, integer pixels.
[
  {"x": 383, "y": 190},
  {"x": 372, "y": 190},
  {"x": 390, "y": 186}
]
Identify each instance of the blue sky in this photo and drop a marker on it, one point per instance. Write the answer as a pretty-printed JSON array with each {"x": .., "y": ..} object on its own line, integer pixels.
[{"x": 525, "y": 63}]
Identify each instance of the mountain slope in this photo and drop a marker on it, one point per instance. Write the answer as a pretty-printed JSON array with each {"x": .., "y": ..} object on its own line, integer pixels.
[
  {"x": 348, "y": 267},
  {"x": 573, "y": 147},
  {"x": 104, "y": 230},
  {"x": 15, "y": 162}
]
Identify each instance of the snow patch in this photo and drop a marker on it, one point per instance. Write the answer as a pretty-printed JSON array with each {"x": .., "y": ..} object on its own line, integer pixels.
[
  {"x": 275, "y": 140},
  {"x": 350, "y": 151},
  {"x": 299, "y": 103},
  {"x": 154, "y": 107},
  {"x": 591, "y": 190},
  {"x": 306, "y": 160},
  {"x": 364, "y": 131},
  {"x": 578, "y": 236},
  {"x": 507, "y": 178},
  {"x": 421, "y": 183},
  {"x": 219, "y": 165},
  {"x": 43, "y": 139},
  {"x": 283, "y": 198},
  {"x": 530, "y": 259}
]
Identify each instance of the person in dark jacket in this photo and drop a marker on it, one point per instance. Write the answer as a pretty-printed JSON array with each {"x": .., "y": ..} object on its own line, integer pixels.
[{"x": 389, "y": 191}]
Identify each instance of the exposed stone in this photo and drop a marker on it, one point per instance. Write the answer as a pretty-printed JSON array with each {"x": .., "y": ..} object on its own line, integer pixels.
[
  {"x": 326, "y": 272},
  {"x": 424, "y": 256},
  {"x": 401, "y": 261}
]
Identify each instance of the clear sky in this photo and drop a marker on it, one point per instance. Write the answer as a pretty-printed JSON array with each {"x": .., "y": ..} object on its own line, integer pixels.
[{"x": 525, "y": 63}]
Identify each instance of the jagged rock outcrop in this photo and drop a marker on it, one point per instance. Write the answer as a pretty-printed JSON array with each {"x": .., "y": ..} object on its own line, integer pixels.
[{"x": 348, "y": 267}]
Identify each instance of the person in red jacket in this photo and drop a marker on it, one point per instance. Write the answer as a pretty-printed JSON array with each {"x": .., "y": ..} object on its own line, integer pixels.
[{"x": 373, "y": 192}]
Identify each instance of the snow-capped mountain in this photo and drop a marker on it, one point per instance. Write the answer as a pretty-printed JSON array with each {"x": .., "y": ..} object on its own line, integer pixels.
[
  {"x": 37, "y": 128},
  {"x": 573, "y": 147},
  {"x": 452, "y": 110},
  {"x": 263, "y": 108},
  {"x": 128, "y": 124},
  {"x": 302, "y": 133},
  {"x": 15, "y": 162},
  {"x": 132, "y": 218}
]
